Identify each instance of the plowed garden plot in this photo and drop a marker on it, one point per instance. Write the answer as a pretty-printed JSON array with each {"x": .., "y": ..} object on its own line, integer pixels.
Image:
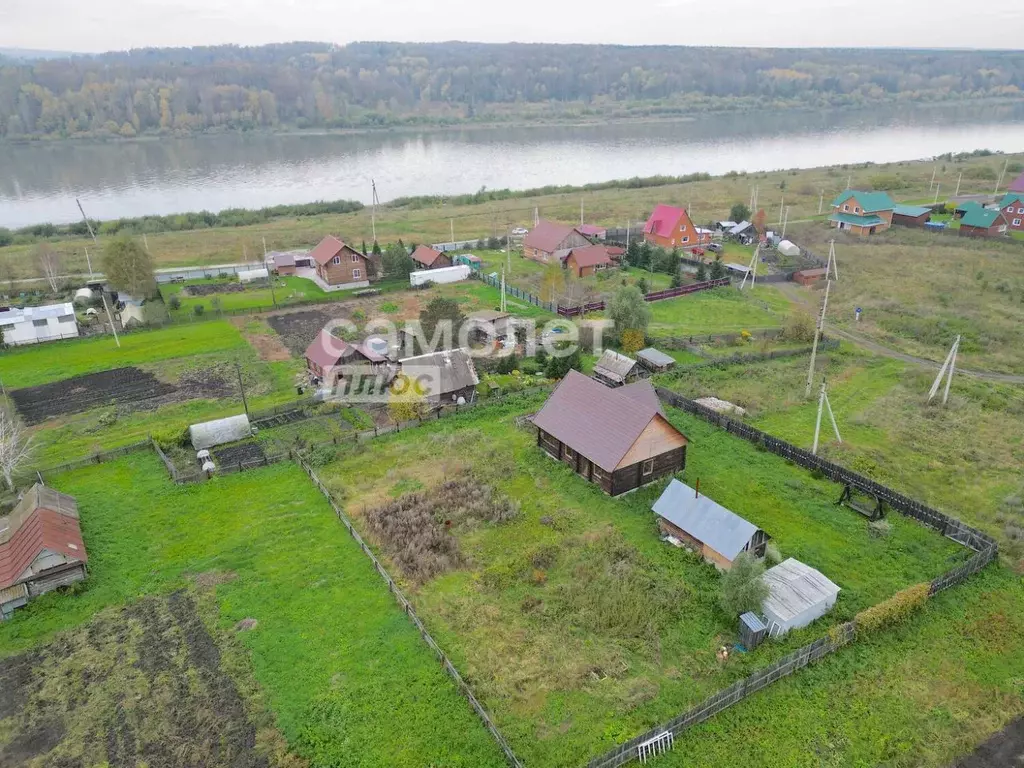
[
  {"x": 82, "y": 393},
  {"x": 213, "y": 289},
  {"x": 246, "y": 454},
  {"x": 142, "y": 685},
  {"x": 298, "y": 329},
  {"x": 127, "y": 388}
]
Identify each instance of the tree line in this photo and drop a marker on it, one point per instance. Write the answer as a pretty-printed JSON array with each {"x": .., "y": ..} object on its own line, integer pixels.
[{"x": 300, "y": 85}]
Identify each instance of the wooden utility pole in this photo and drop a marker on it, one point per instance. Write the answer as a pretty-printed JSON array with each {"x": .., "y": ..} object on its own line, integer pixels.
[
  {"x": 373, "y": 209},
  {"x": 832, "y": 265},
  {"x": 88, "y": 261},
  {"x": 949, "y": 365},
  {"x": 822, "y": 404},
  {"x": 241, "y": 388},
  {"x": 821, "y": 202},
  {"x": 451, "y": 224},
  {"x": 999, "y": 183},
  {"x": 752, "y": 270},
  {"x": 785, "y": 221},
  {"x": 103, "y": 293},
  {"x": 817, "y": 335},
  {"x": 931, "y": 184},
  {"x": 958, "y": 180},
  {"x": 937, "y": 187}
]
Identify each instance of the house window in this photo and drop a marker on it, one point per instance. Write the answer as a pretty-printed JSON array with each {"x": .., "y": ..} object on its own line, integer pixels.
[
  {"x": 355, "y": 257},
  {"x": 682, "y": 227},
  {"x": 569, "y": 453},
  {"x": 846, "y": 208},
  {"x": 66, "y": 319},
  {"x": 7, "y": 327},
  {"x": 648, "y": 468},
  {"x": 1010, "y": 209},
  {"x": 856, "y": 210},
  {"x": 686, "y": 239},
  {"x": 39, "y": 323},
  {"x": 337, "y": 259},
  {"x": 596, "y": 472},
  {"x": 356, "y": 274},
  {"x": 1020, "y": 210}
]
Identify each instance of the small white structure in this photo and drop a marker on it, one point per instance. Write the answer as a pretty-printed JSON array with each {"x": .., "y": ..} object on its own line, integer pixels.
[
  {"x": 251, "y": 275},
  {"x": 797, "y": 595},
  {"x": 33, "y": 325},
  {"x": 443, "y": 275},
  {"x": 788, "y": 248},
  {"x": 133, "y": 314},
  {"x": 84, "y": 295},
  {"x": 213, "y": 433}
]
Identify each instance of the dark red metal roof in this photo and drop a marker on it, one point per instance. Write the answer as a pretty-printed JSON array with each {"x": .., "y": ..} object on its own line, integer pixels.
[
  {"x": 425, "y": 255},
  {"x": 590, "y": 256},
  {"x": 43, "y": 529},
  {"x": 596, "y": 421},
  {"x": 326, "y": 349},
  {"x": 328, "y": 248},
  {"x": 548, "y": 235}
]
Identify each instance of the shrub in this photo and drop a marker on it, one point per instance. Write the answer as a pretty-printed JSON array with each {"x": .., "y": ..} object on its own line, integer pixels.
[
  {"x": 742, "y": 588},
  {"x": 174, "y": 302},
  {"x": 799, "y": 326},
  {"x": 170, "y": 437},
  {"x": 198, "y": 310},
  {"x": 892, "y": 611},
  {"x": 772, "y": 555},
  {"x": 322, "y": 455},
  {"x": 879, "y": 529}
]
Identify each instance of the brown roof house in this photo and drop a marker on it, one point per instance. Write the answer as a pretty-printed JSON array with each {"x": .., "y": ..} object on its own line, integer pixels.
[
  {"x": 442, "y": 378},
  {"x": 618, "y": 439},
  {"x": 707, "y": 527},
  {"x": 615, "y": 369},
  {"x": 586, "y": 260},
  {"x": 41, "y": 548},
  {"x": 341, "y": 267},
  {"x": 427, "y": 258},
  {"x": 334, "y": 361},
  {"x": 550, "y": 237}
]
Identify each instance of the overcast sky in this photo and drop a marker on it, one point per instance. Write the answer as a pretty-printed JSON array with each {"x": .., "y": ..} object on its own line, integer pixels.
[{"x": 101, "y": 25}]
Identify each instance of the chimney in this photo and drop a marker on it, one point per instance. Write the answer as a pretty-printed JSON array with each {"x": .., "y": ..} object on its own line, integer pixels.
[{"x": 696, "y": 491}]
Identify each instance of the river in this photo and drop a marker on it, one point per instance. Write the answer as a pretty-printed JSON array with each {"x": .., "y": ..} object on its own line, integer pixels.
[{"x": 39, "y": 182}]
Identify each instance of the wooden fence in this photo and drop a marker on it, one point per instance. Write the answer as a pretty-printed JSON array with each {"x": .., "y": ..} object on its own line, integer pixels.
[
  {"x": 406, "y": 606},
  {"x": 984, "y": 547},
  {"x": 96, "y": 458},
  {"x": 741, "y": 358}
]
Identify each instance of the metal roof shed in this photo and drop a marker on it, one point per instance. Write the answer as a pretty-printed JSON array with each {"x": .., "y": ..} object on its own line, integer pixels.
[
  {"x": 797, "y": 595},
  {"x": 655, "y": 360},
  {"x": 213, "y": 433}
]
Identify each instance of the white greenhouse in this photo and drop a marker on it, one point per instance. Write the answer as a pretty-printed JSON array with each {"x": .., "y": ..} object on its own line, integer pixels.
[{"x": 797, "y": 595}]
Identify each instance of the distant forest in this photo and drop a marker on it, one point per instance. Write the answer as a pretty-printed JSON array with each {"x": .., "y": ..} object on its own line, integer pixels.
[{"x": 312, "y": 85}]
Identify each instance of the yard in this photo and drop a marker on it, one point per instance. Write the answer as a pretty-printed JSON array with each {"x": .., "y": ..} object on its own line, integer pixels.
[
  {"x": 723, "y": 310},
  {"x": 579, "y": 627},
  {"x": 964, "y": 458},
  {"x": 53, "y": 361},
  {"x": 346, "y": 675}
]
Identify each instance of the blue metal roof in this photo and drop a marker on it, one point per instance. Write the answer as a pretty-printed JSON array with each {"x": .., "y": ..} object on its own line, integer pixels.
[
  {"x": 752, "y": 622},
  {"x": 705, "y": 520}
]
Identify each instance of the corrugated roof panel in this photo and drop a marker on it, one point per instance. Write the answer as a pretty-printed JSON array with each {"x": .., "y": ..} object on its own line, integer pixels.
[
  {"x": 794, "y": 587},
  {"x": 707, "y": 521}
]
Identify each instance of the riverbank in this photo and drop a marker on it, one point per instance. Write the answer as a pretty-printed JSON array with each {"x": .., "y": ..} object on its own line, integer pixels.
[{"x": 801, "y": 191}]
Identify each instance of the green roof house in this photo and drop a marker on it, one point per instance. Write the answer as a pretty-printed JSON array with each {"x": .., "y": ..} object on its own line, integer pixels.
[
  {"x": 862, "y": 213},
  {"x": 982, "y": 222},
  {"x": 1012, "y": 207}
]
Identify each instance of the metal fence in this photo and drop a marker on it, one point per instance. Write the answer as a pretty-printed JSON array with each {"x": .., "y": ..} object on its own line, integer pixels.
[{"x": 406, "y": 606}]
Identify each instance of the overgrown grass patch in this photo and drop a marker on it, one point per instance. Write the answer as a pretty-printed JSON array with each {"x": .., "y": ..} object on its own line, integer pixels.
[{"x": 579, "y": 627}]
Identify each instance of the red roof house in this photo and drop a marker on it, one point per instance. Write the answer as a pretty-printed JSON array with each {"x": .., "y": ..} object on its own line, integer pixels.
[
  {"x": 342, "y": 266},
  {"x": 587, "y": 260},
  {"x": 41, "y": 548},
  {"x": 618, "y": 439},
  {"x": 427, "y": 258},
  {"x": 331, "y": 359},
  {"x": 549, "y": 237},
  {"x": 670, "y": 227}
]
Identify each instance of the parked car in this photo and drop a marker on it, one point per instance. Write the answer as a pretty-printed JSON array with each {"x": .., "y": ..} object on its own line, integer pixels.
[
  {"x": 697, "y": 251},
  {"x": 520, "y": 231},
  {"x": 715, "y": 247}
]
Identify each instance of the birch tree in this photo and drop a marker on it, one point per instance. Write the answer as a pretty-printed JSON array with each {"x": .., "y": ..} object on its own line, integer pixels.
[
  {"x": 15, "y": 447},
  {"x": 50, "y": 264}
]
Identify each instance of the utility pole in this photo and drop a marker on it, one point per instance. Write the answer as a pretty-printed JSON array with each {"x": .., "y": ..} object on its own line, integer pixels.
[
  {"x": 950, "y": 365},
  {"x": 508, "y": 248},
  {"x": 849, "y": 181},
  {"x": 817, "y": 335},
  {"x": 241, "y": 388},
  {"x": 627, "y": 234},
  {"x": 937, "y": 186},
  {"x": 785, "y": 221},
  {"x": 782, "y": 208},
  {"x": 581, "y": 211},
  {"x": 88, "y": 261},
  {"x": 264, "y": 250},
  {"x": 504, "y": 300},
  {"x": 536, "y": 216},
  {"x": 832, "y": 265},
  {"x": 373, "y": 210},
  {"x": 958, "y": 180},
  {"x": 824, "y": 403},
  {"x": 932, "y": 183},
  {"x": 999, "y": 183},
  {"x": 103, "y": 293},
  {"x": 451, "y": 224},
  {"x": 752, "y": 270},
  {"x": 821, "y": 202},
  {"x": 145, "y": 241}
]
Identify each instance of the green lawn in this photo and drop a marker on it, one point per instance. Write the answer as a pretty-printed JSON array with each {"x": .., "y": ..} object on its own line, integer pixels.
[
  {"x": 723, "y": 310},
  {"x": 350, "y": 680},
  {"x": 43, "y": 363},
  {"x": 578, "y": 625}
]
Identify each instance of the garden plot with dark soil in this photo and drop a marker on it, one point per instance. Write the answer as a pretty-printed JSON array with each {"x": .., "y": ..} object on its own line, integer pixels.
[
  {"x": 246, "y": 454},
  {"x": 212, "y": 289},
  {"x": 142, "y": 685},
  {"x": 298, "y": 329},
  {"x": 129, "y": 389}
]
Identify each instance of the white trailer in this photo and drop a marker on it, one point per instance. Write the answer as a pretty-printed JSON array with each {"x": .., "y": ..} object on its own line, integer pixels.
[{"x": 443, "y": 275}]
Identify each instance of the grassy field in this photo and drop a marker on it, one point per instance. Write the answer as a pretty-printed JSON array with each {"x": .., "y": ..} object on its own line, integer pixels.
[
  {"x": 43, "y": 363},
  {"x": 578, "y": 625},
  {"x": 919, "y": 290},
  {"x": 709, "y": 201},
  {"x": 964, "y": 459},
  {"x": 346, "y": 674},
  {"x": 723, "y": 310}
]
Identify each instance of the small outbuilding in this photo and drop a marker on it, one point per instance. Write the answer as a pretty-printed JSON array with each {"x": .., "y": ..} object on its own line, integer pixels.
[
  {"x": 788, "y": 248},
  {"x": 809, "y": 276},
  {"x": 284, "y": 263},
  {"x": 655, "y": 360},
  {"x": 707, "y": 527},
  {"x": 41, "y": 547},
  {"x": 911, "y": 215},
  {"x": 84, "y": 296},
  {"x": 427, "y": 258},
  {"x": 982, "y": 222},
  {"x": 797, "y": 595},
  {"x": 615, "y": 369},
  {"x": 444, "y": 377},
  {"x": 213, "y": 433}
]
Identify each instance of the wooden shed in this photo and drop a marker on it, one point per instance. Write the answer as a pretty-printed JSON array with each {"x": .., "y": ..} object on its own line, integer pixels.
[
  {"x": 809, "y": 276},
  {"x": 618, "y": 438},
  {"x": 615, "y": 369},
  {"x": 655, "y": 360},
  {"x": 911, "y": 215},
  {"x": 707, "y": 527},
  {"x": 41, "y": 548}
]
